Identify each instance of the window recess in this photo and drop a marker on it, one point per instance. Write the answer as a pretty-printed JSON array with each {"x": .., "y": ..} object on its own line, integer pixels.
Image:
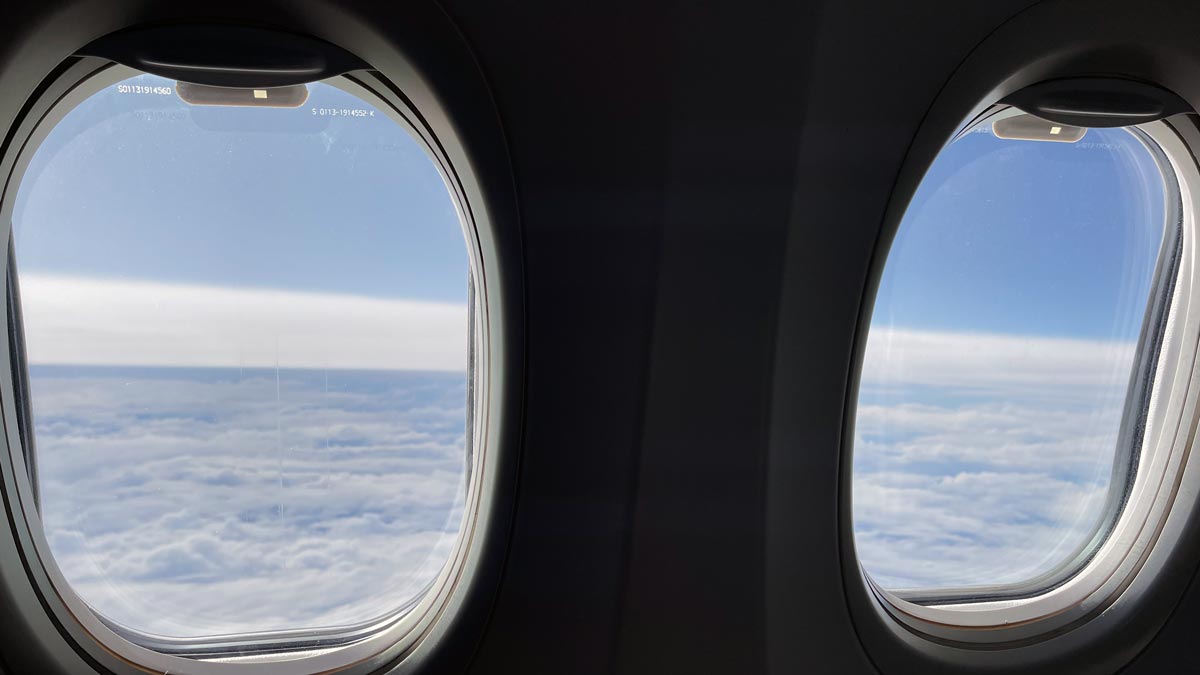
[
  {"x": 248, "y": 346},
  {"x": 1020, "y": 386}
]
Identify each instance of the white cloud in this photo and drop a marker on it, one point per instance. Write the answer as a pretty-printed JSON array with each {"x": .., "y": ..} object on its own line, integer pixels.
[
  {"x": 189, "y": 503},
  {"x": 916, "y": 530},
  {"x": 111, "y": 322},
  {"x": 981, "y": 459},
  {"x": 995, "y": 363},
  {"x": 1017, "y": 436},
  {"x": 263, "y": 486}
]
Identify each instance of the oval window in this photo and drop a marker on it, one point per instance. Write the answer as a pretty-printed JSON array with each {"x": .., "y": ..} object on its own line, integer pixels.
[
  {"x": 1008, "y": 367},
  {"x": 245, "y": 329}
]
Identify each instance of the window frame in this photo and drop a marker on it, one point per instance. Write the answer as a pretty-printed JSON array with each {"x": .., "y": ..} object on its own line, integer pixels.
[
  {"x": 358, "y": 649},
  {"x": 1086, "y": 584}
]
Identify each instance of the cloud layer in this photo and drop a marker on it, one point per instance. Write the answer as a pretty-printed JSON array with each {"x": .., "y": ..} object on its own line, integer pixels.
[
  {"x": 217, "y": 461},
  {"x": 112, "y": 322},
  {"x": 981, "y": 459},
  {"x": 995, "y": 364},
  {"x": 189, "y": 502}
]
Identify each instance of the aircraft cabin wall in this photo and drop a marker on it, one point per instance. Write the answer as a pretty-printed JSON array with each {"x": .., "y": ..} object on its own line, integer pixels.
[{"x": 686, "y": 208}]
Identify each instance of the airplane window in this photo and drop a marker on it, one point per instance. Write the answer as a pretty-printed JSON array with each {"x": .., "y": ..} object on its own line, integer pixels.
[
  {"x": 1004, "y": 379},
  {"x": 246, "y": 336}
]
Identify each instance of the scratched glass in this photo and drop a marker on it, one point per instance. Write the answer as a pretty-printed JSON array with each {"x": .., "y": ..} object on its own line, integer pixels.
[{"x": 247, "y": 346}]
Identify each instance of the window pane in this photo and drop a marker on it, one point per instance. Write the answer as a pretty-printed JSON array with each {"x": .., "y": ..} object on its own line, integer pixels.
[
  {"x": 247, "y": 344},
  {"x": 999, "y": 360}
]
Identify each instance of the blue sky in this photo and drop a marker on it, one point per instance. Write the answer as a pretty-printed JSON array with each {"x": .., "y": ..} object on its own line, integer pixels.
[
  {"x": 275, "y": 198},
  {"x": 1030, "y": 238}
]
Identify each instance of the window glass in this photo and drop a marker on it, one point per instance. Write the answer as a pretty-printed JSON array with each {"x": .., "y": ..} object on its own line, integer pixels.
[
  {"x": 247, "y": 342},
  {"x": 989, "y": 449}
]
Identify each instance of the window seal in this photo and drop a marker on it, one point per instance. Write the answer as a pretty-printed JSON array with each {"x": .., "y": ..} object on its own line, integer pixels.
[{"x": 20, "y": 371}]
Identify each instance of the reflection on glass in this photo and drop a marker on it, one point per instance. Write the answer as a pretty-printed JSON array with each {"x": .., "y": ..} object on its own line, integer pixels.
[
  {"x": 999, "y": 360},
  {"x": 247, "y": 338}
]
